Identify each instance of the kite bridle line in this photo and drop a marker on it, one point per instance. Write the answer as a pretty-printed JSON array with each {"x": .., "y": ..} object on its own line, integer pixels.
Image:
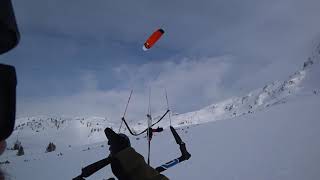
[
  {"x": 149, "y": 119},
  {"x": 125, "y": 111},
  {"x": 168, "y": 104},
  {"x": 149, "y": 116},
  {"x": 133, "y": 133}
]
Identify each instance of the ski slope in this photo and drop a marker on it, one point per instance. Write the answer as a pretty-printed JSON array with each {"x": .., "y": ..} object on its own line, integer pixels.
[{"x": 270, "y": 133}]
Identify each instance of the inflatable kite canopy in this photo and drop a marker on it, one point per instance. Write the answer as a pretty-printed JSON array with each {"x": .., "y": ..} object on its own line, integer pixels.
[{"x": 153, "y": 39}]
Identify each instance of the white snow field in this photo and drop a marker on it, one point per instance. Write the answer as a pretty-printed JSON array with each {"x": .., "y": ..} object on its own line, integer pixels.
[{"x": 269, "y": 134}]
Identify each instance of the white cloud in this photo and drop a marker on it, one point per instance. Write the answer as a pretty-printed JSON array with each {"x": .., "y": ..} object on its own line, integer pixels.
[
  {"x": 191, "y": 84},
  {"x": 90, "y": 81}
]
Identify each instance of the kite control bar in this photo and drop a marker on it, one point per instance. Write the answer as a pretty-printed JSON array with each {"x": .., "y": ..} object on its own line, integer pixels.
[
  {"x": 93, "y": 168},
  {"x": 185, "y": 155}
]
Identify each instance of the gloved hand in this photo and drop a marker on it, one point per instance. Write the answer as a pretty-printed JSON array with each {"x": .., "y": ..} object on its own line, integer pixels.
[
  {"x": 8, "y": 82},
  {"x": 116, "y": 141}
]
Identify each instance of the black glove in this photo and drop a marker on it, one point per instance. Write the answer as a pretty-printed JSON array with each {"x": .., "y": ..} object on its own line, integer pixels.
[
  {"x": 8, "y": 84},
  {"x": 116, "y": 141}
]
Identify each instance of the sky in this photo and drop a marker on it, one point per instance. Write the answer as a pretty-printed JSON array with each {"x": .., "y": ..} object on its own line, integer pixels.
[{"x": 82, "y": 58}]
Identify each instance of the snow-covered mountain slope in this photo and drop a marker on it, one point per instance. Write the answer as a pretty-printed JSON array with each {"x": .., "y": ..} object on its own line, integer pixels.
[
  {"x": 303, "y": 82},
  {"x": 85, "y": 130},
  {"x": 278, "y": 143},
  {"x": 35, "y": 133},
  {"x": 270, "y": 133}
]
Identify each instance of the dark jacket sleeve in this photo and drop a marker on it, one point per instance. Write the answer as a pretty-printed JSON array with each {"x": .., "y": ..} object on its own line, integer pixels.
[{"x": 130, "y": 165}]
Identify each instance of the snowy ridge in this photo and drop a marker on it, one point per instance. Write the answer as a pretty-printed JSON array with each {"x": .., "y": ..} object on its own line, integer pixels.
[
  {"x": 270, "y": 95},
  {"x": 42, "y": 124},
  {"x": 301, "y": 82}
]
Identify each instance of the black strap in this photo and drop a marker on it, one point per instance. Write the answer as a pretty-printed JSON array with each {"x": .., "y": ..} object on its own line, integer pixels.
[{"x": 137, "y": 134}]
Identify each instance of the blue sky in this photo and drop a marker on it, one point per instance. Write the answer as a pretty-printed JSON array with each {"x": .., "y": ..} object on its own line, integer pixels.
[{"x": 82, "y": 57}]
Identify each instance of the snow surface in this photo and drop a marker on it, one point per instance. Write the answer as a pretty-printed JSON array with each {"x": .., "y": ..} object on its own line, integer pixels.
[{"x": 270, "y": 133}]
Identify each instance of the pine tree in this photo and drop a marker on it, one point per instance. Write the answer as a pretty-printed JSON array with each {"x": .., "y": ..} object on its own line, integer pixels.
[
  {"x": 20, "y": 151},
  {"x": 51, "y": 147},
  {"x": 16, "y": 145}
]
